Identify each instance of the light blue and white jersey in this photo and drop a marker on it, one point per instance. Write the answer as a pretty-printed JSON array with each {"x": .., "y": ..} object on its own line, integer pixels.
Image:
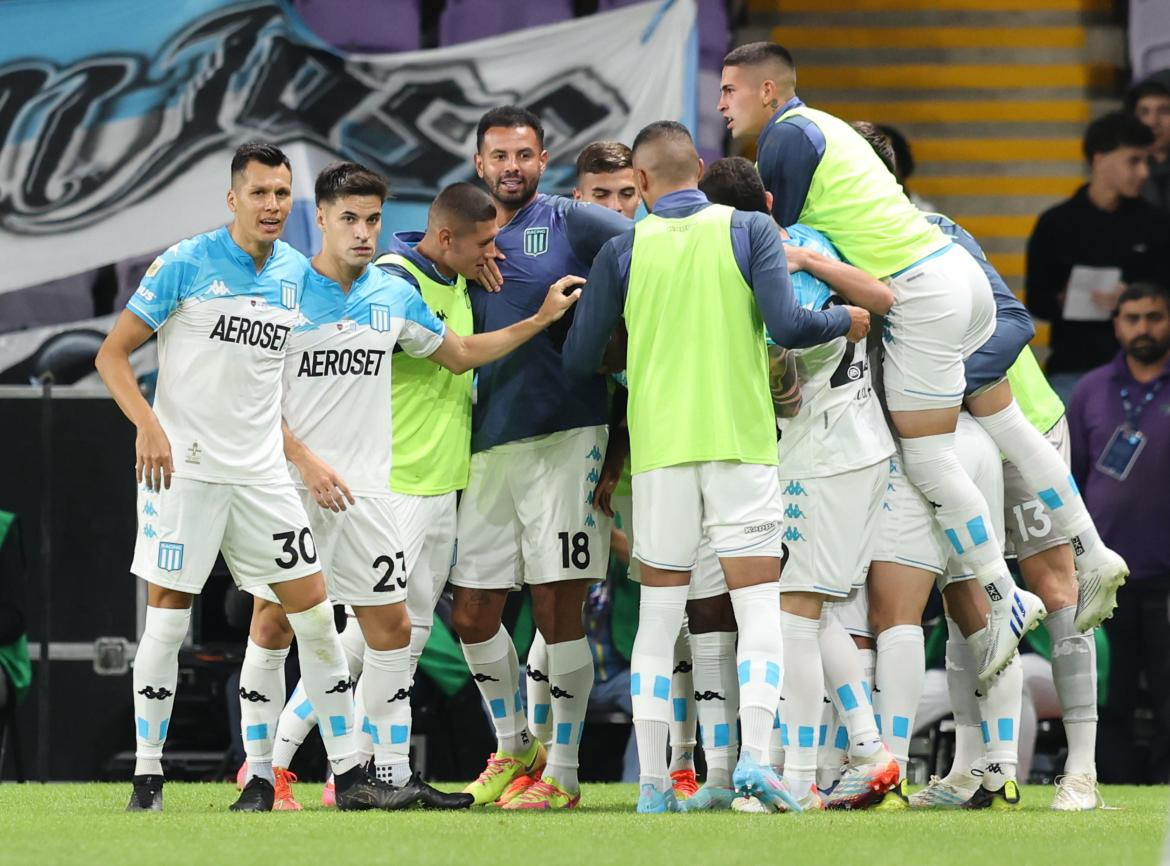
[
  {"x": 840, "y": 426},
  {"x": 337, "y": 374},
  {"x": 222, "y": 329}
]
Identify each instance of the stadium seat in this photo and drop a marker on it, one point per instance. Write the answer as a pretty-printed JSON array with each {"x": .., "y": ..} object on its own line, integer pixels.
[
  {"x": 372, "y": 26},
  {"x": 1149, "y": 37},
  {"x": 468, "y": 20}
]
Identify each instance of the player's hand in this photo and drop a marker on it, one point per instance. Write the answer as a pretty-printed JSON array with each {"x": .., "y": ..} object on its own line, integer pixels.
[
  {"x": 859, "y": 323},
  {"x": 489, "y": 273},
  {"x": 606, "y": 484},
  {"x": 797, "y": 258},
  {"x": 152, "y": 457},
  {"x": 328, "y": 488},
  {"x": 561, "y": 295}
]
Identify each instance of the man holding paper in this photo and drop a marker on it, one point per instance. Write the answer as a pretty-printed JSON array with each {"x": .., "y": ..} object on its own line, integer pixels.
[{"x": 1084, "y": 251}]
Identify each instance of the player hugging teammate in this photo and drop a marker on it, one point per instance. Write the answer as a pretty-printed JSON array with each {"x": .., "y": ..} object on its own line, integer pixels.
[{"x": 798, "y": 487}]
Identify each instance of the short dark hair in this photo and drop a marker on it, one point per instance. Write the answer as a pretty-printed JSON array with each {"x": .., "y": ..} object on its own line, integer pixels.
[
  {"x": 604, "y": 157},
  {"x": 1113, "y": 130},
  {"x": 1147, "y": 87},
  {"x": 1143, "y": 289},
  {"x": 670, "y": 129},
  {"x": 759, "y": 53},
  {"x": 339, "y": 179},
  {"x": 734, "y": 181},
  {"x": 903, "y": 156},
  {"x": 877, "y": 138},
  {"x": 261, "y": 152},
  {"x": 508, "y": 116},
  {"x": 463, "y": 201}
]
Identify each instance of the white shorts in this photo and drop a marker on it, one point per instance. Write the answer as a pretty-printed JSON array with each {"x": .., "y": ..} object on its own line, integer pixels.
[
  {"x": 361, "y": 552},
  {"x": 527, "y": 515},
  {"x": 426, "y": 525},
  {"x": 943, "y": 311},
  {"x": 853, "y": 612},
  {"x": 262, "y": 531},
  {"x": 736, "y": 506},
  {"x": 831, "y": 529},
  {"x": 1030, "y": 529},
  {"x": 707, "y": 575},
  {"x": 908, "y": 533}
]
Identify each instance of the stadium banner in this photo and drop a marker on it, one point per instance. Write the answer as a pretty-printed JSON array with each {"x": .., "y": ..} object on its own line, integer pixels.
[{"x": 116, "y": 129}]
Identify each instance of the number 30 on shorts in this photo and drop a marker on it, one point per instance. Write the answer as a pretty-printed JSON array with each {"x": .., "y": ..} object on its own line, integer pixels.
[
  {"x": 296, "y": 546},
  {"x": 387, "y": 581}
]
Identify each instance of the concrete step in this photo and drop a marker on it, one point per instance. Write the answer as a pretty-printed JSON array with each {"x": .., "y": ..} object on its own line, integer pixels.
[
  {"x": 1000, "y": 205},
  {"x": 1001, "y": 170},
  {"x": 967, "y": 187},
  {"x": 926, "y": 76},
  {"x": 1017, "y": 6},
  {"x": 988, "y": 131},
  {"x": 959, "y": 110},
  {"x": 901, "y": 38},
  {"x": 928, "y": 18}
]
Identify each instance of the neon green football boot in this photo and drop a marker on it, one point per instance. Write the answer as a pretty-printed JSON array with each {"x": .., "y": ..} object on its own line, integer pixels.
[{"x": 502, "y": 769}]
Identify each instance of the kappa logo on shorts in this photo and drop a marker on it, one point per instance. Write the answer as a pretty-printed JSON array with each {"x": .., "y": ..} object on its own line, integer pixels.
[
  {"x": 148, "y": 532},
  {"x": 794, "y": 488},
  {"x": 379, "y": 317},
  {"x": 793, "y": 534},
  {"x": 536, "y": 241},
  {"x": 170, "y": 553},
  {"x": 793, "y": 512},
  {"x": 288, "y": 294},
  {"x": 759, "y": 527},
  {"x": 590, "y": 522}
]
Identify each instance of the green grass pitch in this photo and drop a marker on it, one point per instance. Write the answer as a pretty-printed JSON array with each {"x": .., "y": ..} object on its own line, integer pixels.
[{"x": 85, "y": 824}]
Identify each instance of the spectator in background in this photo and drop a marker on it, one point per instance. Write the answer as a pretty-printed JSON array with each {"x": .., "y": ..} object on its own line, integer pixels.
[
  {"x": 1084, "y": 251},
  {"x": 904, "y": 165},
  {"x": 1149, "y": 102},
  {"x": 1119, "y": 422}
]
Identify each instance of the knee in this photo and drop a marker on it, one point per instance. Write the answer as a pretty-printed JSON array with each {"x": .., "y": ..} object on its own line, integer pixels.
[
  {"x": 471, "y": 622},
  {"x": 388, "y": 629},
  {"x": 270, "y": 626}
]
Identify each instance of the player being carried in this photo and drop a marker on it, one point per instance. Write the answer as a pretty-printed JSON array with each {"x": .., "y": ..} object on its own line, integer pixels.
[
  {"x": 224, "y": 304},
  {"x": 339, "y": 438}
]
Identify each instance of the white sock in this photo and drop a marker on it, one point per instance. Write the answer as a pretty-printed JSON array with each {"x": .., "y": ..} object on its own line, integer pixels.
[
  {"x": 419, "y": 635},
  {"x": 363, "y": 734},
  {"x": 901, "y": 669},
  {"x": 851, "y": 693},
  {"x": 261, "y": 700},
  {"x": 831, "y": 756},
  {"x": 539, "y": 698},
  {"x": 570, "y": 666},
  {"x": 1074, "y": 670},
  {"x": 386, "y": 711},
  {"x": 327, "y": 682},
  {"x": 759, "y": 661},
  {"x": 660, "y": 613},
  {"x": 156, "y": 676},
  {"x": 999, "y": 705},
  {"x": 930, "y": 462},
  {"x": 296, "y": 720},
  {"x": 803, "y": 689},
  {"x": 1044, "y": 471},
  {"x": 353, "y": 642},
  {"x": 778, "y": 739},
  {"x": 717, "y": 702},
  {"x": 494, "y": 666},
  {"x": 962, "y": 684},
  {"x": 682, "y": 702}
]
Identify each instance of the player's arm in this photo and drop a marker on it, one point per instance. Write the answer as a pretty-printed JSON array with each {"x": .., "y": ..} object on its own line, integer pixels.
[
  {"x": 1078, "y": 437},
  {"x": 152, "y": 449},
  {"x": 590, "y": 227},
  {"x": 462, "y": 353},
  {"x": 789, "y": 324},
  {"x": 787, "y": 158},
  {"x": 328, "y": 488},
  {"x": 600, "y": 309},
  {"x": 617, "y": 450},
  {"x": 853, "y": 284},
  {"x": 784, "y": 382}
]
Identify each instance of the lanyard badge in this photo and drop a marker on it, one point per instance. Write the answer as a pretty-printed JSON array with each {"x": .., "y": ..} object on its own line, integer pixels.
[{"x": 1121, "y": 453}]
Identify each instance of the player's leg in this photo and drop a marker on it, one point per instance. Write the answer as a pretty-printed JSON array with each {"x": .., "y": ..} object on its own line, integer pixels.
[
  {"x": 683, "y": 719},
  {"x": 944, "y": 311},
  {"x": 539, "y": 698},
  {"x": 668, "y": 512},
  {"x": 487, "y": 568},
  {"x": 711, "y": 622},
  {"x": 262, "y": 691},
  {"x": 179, "y": 533},
  {"x": 427, "y": 525},
  {"x": 1048, "y": 478},
  {"x": 565, "y": 547}
]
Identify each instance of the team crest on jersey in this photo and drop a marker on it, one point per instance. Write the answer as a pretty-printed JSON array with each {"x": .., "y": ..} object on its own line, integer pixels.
[
  {"x": 379, "y": 317},
  {"x": 170, "y": 556},
  {"x": 536, "y": 241},
  {"x": 288, "y": 294}
]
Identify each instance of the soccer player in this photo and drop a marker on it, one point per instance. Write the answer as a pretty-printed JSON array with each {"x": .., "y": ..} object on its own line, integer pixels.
[
  {"x": 822, "y": 172},
  {"x": 339, "y": 437},
  {"x": 695, "y": 283},
  {"x": 831, "y": 451},
  {"x": 537, "y": 446},
  {"x": 1044, "y": 554},
  {"x": 224, "y": 304},
  {"x": 605, "y": 176}
]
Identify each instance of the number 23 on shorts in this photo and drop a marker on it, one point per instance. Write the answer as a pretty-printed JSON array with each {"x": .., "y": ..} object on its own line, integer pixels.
[{"x": 387, "y": 581}]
